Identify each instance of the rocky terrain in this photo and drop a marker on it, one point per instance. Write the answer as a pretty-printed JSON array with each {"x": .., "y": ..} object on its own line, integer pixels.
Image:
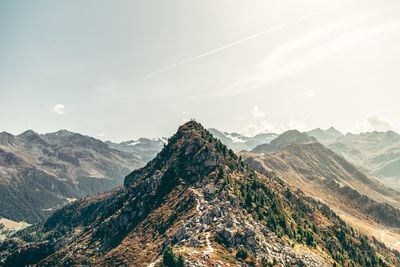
[
  {"x": 196, "y": 204},
  {"x": 40, "y": 173}
]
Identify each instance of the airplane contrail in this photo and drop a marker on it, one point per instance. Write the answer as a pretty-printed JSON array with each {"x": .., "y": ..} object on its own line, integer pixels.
[{"x": 251, "y": 37}]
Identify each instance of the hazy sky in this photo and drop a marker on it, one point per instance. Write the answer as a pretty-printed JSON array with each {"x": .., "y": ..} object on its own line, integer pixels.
[{"x": 123, "y": 69}]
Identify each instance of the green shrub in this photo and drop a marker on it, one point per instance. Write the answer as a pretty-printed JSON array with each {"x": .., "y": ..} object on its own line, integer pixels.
[{"x": 242, "y": 254}]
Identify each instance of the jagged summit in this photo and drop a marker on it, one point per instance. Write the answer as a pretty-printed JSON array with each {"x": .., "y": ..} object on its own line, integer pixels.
[
  {"x": 191, "y": 125},
  {"x": 32, "y": 138},
  {"x": 28, "y": 133},
  {"x": 334, "y": 130},
  {"x": 190, "y": 154}
]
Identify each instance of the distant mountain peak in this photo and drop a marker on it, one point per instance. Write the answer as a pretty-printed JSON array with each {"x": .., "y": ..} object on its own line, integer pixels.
[
  {"x": 283, "y": 140},
  {"x": 28, "y": 133},
  {"x": 294, "y": 137},
  {"x": 325, "y": 136},
  {"x": 32, "y": 138}
]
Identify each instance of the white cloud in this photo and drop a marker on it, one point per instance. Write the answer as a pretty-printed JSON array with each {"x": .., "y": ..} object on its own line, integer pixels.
[
  {"x": 266, "y": 127},
  {"x": 257, "y": 113},
  {"x": 309, "y": 93},
  {"x": 58, "y": 109},
  {"x": 375, "y": 122},
  {"x": 101, "y": 135}
]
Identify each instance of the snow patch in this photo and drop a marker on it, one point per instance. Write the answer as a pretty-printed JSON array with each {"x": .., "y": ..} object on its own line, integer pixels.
[{"x": 134, "y": 143}]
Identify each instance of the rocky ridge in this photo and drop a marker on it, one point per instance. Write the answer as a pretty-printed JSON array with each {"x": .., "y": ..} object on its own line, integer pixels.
[{"x": 199, "y": 198}]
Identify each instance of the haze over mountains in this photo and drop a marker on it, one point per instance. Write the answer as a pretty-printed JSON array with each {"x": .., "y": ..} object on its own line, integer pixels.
[
  {"x": 377, "y": 153},
  {"x": 199, "y": 201},
  {"x": 40, "y": 173},
  {"x": 63, "y": 165},
  {"x": 238, "y": 142}
]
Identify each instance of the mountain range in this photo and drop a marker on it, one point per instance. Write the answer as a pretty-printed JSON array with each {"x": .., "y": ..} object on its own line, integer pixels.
[
  {"x": 359, "y": 199},
  {"x": 376, "y": 153},
  {"x": 39, "y": 173},
  {"x": 196, "y": 204},
  {"x": 143, "y": 148},
  {"x": 238, "y": 142}
]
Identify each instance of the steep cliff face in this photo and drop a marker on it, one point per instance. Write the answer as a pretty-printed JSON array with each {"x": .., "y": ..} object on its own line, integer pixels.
[{"x": 199, "y": 199}]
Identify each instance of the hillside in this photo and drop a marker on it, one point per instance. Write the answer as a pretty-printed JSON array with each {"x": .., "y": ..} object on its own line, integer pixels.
[
  {"x": 41, "y": 173},
  {"x": 8, "y": 228},
  {"x": 377, "y": 153},
  {"x": 322, "y": 174},
  {"x": 199, "y": 201}
]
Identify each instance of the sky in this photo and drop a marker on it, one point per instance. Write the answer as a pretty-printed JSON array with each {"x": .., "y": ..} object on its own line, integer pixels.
[{"x": 119, "y": 70}]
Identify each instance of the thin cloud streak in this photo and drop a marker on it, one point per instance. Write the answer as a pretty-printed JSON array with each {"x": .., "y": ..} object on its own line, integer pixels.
[
  {"x": 279, "y": 65},
  {"x": 241, "y": 41}
]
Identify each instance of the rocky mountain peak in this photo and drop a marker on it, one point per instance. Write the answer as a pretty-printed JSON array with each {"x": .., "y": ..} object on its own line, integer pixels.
[
  {"x": 28, "y": 133},
  {"x": 334, "y": 130},
  {"x": 190, "y": 154},
  {"x": 32, "y": 138}
]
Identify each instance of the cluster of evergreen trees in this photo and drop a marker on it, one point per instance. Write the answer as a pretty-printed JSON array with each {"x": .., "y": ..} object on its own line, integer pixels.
[
  {"x": 293, "y": 215},
  {"x": 171, "y": 260}
]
